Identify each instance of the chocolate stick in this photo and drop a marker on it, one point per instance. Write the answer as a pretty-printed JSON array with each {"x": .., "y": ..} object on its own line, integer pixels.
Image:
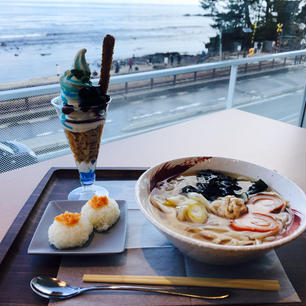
[{"x": 106, "y": 64}]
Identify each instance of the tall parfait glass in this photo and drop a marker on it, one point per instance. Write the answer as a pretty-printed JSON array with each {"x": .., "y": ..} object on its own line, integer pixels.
[
  {"x": 85, "y": 148},
  {"x": 81, "y": 109}
]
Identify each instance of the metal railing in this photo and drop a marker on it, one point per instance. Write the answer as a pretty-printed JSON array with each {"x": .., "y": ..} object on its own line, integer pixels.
[{"x": 25, "y": 93}]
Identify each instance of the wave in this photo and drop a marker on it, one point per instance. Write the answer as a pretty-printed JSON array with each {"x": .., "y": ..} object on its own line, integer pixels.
[
  {"x": 21, "y": 36},
  {"x": 120, "y": 33},
  {"x": 122, "y": 30}
]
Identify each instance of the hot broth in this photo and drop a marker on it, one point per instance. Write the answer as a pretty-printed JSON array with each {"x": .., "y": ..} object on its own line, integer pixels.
[{"x": 221, "y": 208}]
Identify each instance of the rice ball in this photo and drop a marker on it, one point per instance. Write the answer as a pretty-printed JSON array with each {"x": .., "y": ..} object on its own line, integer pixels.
[
  {"x": 69, "y": 230},
  {"x": 102, "y": 212}
]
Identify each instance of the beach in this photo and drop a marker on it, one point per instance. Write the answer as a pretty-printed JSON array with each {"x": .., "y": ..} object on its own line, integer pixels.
[
  {"x": 40, "y": 39},
  {"x": 139, "y": 64}
]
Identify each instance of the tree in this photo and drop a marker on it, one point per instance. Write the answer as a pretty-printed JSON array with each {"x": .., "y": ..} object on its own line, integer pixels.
[
  {"x": 301, "y": 17},
  {"x": 229, "y": 14},
  {"x": 232, "y": 17},
  {"x": 278, "y": 12}
]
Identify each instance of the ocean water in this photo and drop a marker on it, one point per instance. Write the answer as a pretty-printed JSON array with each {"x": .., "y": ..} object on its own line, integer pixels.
[{"x": 38, "y": 35}]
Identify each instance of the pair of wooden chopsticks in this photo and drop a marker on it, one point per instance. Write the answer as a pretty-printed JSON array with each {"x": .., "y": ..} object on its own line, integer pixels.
[{"x": 257, "y": 284}]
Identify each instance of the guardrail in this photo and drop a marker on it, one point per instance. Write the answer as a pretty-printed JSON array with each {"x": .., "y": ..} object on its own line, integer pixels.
[{"x": 25, "y": 93}]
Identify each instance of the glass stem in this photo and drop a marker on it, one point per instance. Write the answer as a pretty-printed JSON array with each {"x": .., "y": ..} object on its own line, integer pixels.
[{"x": 87, "y": 187}]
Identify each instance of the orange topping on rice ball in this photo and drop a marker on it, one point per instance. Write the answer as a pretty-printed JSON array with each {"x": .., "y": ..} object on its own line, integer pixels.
[
  {"x": 68, "y": 218},
  {"x": 97, "y": 202}
]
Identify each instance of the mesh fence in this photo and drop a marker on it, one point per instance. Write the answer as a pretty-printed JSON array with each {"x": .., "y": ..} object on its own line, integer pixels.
[{"x": 29, "y": 131}]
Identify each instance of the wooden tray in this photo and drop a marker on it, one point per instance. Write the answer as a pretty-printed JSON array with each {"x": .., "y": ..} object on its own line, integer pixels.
[{"x": 17, "y": 267}]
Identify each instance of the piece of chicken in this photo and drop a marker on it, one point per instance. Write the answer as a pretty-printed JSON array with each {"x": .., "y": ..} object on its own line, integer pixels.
[{"x": 229, "y": 207}]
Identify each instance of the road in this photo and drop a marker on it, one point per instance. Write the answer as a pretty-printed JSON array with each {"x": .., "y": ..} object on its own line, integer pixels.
[{"x": 277, "y": 96}]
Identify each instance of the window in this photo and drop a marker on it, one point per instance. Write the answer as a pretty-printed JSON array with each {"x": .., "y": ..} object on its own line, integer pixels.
[{"x": 173, "y": 60}]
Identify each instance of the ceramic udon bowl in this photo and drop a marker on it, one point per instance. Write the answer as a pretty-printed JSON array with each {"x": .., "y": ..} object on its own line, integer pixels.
[{"x": 206, "y": 251}]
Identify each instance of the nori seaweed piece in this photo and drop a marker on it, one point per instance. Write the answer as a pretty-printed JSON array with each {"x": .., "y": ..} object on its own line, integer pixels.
[
  {"x": 257, "y": 186},
  {"x": 189, "y": 188},
  {"x": 215, "y": 185}
]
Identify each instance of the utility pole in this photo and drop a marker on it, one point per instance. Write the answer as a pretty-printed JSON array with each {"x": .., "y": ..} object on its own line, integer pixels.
[
  {"x": 278, "y": 31},
  {"x": 220, "y": 45}
]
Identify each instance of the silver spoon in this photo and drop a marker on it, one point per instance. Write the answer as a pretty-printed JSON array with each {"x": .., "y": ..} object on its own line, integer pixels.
[{"x": 50, "y": 287}]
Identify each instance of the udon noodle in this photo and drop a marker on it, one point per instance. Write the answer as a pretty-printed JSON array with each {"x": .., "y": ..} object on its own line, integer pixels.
[{"x": 221, "y": 208}]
